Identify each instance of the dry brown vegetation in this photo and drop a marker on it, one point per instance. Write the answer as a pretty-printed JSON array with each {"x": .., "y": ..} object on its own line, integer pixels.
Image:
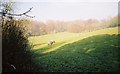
[{"x": 75, "y": 26}]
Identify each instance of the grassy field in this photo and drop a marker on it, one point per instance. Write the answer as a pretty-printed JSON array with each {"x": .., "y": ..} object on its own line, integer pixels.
[{"x": 93, "y": 51}]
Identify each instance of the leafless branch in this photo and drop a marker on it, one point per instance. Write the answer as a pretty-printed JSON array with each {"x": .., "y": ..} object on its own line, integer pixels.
[
  {"x": 28, "y": 11},
  {"x": 25, "y": 13}
]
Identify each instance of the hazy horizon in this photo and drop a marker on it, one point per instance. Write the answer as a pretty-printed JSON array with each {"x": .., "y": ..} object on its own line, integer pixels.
[{"x": 68, "y": 11}]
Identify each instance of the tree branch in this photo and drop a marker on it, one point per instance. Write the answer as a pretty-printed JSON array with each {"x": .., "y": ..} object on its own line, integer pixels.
[
  {"x": 25, "y": 13},
  {"x": 28, "y": 11}
]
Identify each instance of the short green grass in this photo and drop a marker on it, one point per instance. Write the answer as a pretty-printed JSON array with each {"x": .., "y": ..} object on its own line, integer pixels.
[
  {"x": 91, "y": 52},
  {"x": 63, "y": 38}
]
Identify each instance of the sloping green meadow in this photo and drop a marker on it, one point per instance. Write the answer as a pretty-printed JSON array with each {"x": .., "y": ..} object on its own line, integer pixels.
[{"x": 92, "y": 54}]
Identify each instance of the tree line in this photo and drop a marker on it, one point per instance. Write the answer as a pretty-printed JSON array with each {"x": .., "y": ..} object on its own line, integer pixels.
[{"x": 76, "y": 26}]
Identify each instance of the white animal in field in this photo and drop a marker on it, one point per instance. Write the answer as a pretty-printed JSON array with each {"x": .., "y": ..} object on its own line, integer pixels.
[{"x": 51, "y": 42}]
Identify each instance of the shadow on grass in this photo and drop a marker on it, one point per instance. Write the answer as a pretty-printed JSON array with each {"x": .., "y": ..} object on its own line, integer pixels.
[
  {"x": 93, "y": 54},
  {"x": 38, "y": 52}
]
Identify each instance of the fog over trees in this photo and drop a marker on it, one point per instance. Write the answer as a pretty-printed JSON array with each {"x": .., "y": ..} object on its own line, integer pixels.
[{"x": 75, "y": 26}]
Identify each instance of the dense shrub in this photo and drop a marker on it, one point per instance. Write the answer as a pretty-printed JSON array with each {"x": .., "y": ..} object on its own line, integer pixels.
[{"x": 15, "y": 47}]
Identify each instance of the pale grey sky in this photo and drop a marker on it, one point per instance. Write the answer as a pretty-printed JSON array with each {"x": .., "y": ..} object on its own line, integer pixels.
[
  {"x": 51, "y": 10},
  {"x": 65, "y": 0}
]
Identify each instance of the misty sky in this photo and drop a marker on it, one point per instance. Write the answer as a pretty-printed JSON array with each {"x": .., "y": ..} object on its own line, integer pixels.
[{"x": 69, "y": 10}]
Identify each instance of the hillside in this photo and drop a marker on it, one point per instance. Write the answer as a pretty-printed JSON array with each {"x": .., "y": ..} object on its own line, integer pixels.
[
  {"x": 63, "y": 38},
  {"x": 95, "y": 51}
]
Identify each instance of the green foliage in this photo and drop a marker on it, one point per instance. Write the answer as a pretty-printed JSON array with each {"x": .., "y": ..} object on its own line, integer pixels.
[
  {"x": 15, "y": 47},
  {"x": 98, "y": 53}
]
